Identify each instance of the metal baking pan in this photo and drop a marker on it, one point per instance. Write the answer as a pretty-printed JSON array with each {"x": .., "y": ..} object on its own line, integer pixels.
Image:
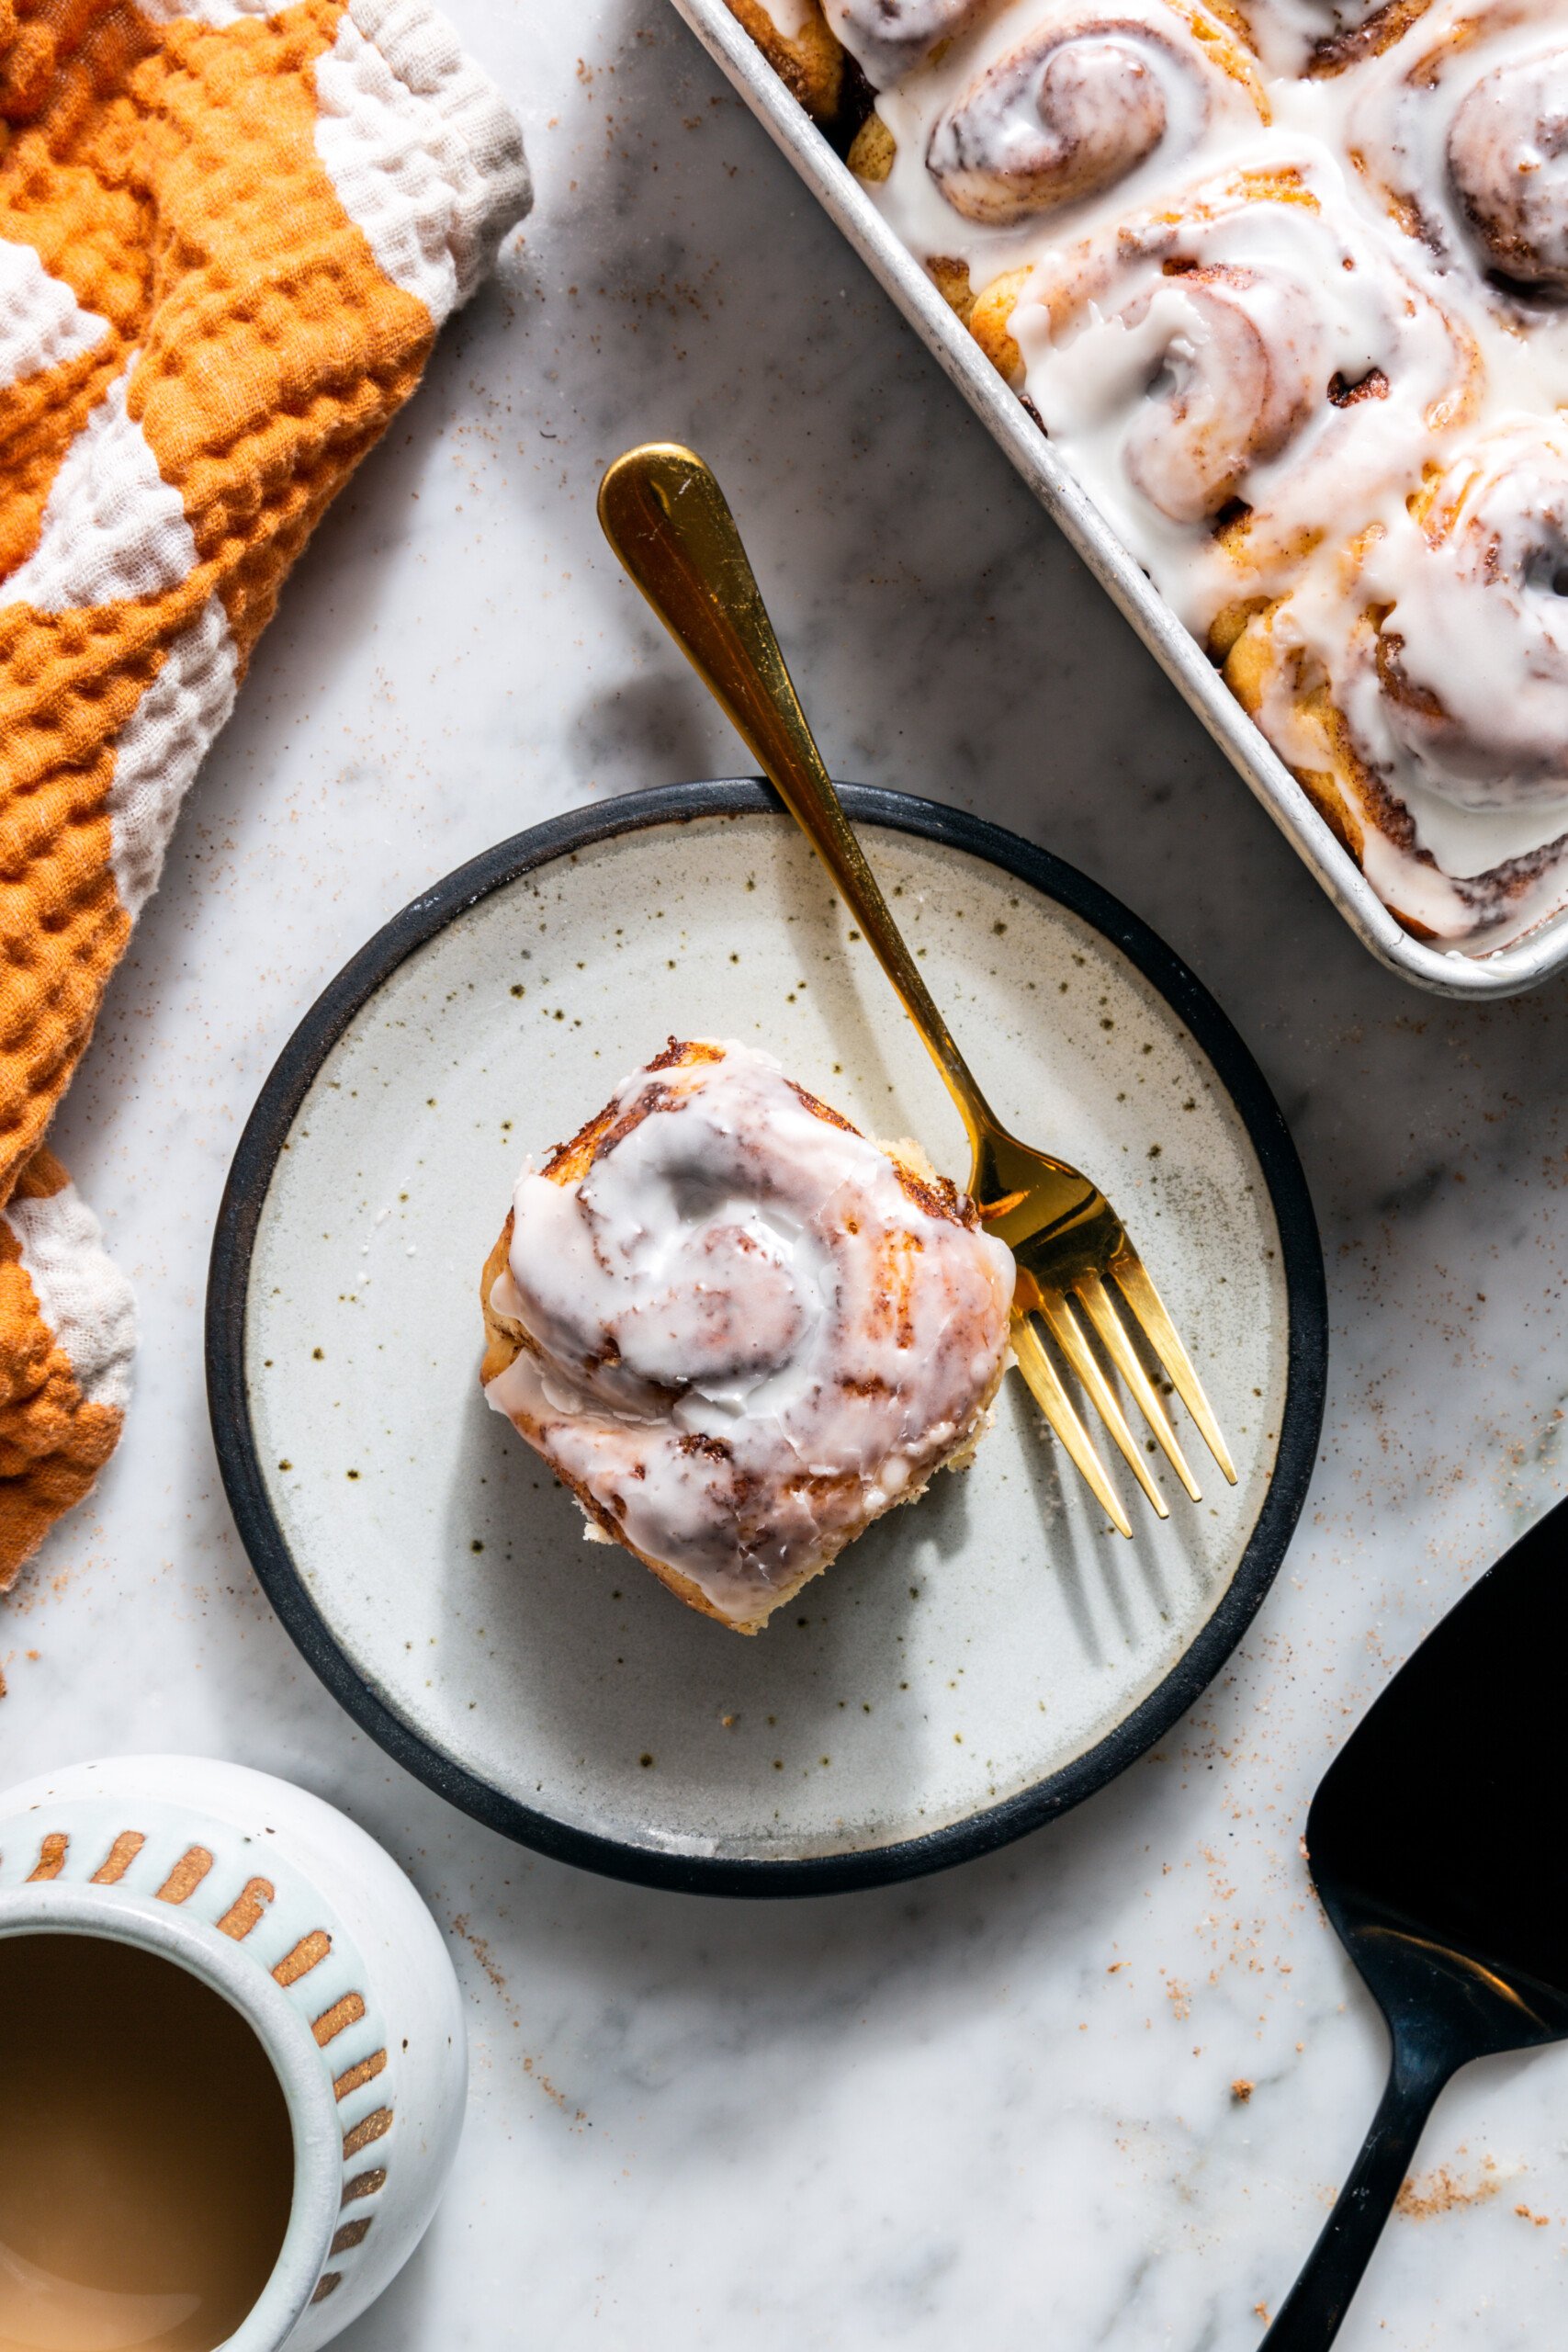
[{"x": 1506, "y": 971}]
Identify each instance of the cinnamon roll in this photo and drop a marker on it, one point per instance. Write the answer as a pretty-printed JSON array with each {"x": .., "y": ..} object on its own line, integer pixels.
[
  {"x": 1507, "y": 152},
  {"x": 738, "y": 1330},
  {"x": 1047, "y": 119},
  {"x": 1471, "y": 625},
  {"x": 1069, "y": 111},
  {"x": 1206, "y": 367},
  {"x": 1430, "y": 723},
  {"x": 1466, "y": 133}
]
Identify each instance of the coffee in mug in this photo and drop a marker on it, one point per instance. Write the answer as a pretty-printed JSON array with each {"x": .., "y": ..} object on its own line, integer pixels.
[{"x": 146, "y": 2158}]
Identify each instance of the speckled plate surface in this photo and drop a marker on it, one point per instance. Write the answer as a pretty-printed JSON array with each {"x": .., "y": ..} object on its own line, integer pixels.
[{"x": 974, "y": 1665}]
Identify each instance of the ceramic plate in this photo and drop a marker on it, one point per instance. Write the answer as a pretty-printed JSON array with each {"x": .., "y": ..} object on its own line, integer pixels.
[{"x": 972, "y": 1666}]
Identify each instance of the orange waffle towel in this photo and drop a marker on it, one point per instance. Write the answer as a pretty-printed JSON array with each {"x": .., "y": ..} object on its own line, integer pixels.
[{"x": 228, "y": 235}]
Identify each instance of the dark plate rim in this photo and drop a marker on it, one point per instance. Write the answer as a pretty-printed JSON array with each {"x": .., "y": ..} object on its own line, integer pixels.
[{"x": 239, "y": 1218}]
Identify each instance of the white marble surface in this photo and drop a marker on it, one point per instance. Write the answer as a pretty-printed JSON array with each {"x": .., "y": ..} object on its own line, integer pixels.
[{"x": 994, "y": 2106}]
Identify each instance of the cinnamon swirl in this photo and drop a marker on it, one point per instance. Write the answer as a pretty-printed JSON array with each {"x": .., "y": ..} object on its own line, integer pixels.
[
  {"x": 738, "y": 1331},
  {"x": 1508, "y": 155},
  {"x": 889, "y": 38},
  {"x": 1325, "y": 38}
]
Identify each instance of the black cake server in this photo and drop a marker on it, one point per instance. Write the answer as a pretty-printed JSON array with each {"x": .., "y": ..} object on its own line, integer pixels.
[{"x": 1437, "y": 1843}]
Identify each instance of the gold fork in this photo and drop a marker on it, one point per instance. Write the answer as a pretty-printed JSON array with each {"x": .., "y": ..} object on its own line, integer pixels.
[{"x": 668, "y": 520}]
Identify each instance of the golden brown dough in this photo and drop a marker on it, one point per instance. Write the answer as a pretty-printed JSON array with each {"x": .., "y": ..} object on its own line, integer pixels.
[{"x": 810, "y": 65}]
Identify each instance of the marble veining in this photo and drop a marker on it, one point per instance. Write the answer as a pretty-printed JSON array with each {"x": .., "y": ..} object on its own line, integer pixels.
[{"x": 999, "y": 2106}]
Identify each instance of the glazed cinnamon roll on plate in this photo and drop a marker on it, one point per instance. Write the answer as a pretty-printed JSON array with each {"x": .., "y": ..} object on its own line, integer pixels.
[{"x": 738, "y": 1332}]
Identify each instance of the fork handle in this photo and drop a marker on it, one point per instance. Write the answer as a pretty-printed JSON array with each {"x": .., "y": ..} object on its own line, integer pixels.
[{"x": 665, "y": 516}]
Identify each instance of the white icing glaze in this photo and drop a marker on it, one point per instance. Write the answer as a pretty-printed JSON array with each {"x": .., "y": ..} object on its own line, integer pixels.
[
  {"x": 1508, "y": 158},
  {"x": 1191, "y": 341},
  {"x": 749, "y": 1338}
]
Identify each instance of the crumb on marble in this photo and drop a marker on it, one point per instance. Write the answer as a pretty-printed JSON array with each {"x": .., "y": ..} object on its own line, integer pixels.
[{"x": 1444, "y": 2191}]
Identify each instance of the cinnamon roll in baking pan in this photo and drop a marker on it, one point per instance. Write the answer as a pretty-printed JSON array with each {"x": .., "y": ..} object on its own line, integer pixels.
[
  {"x": 1286, "y": 283},
  {"x": 1208, "y": 369},
  {"x": 1208, "y": 366},
  {"x": 1088, "y": 96},
  {"x": 738, "y": 1330},
  {"x": 1464, "y": 133},
  {"x": 1042, "y": 110},
  {"x": 1425, "y": 707}
]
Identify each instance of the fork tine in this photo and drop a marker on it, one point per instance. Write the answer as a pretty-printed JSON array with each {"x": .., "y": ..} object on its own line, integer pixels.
[
  {"x": 1069, "y": 1333},
  {"x": 1046, "y": 1387},
  {"x": 1149, "y": 1308},
  {"x": 1101, "y": 1308}
]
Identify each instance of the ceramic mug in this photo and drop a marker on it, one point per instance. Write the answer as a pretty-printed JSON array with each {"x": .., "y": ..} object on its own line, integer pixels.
[{"x": 313, "y": 1933}]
